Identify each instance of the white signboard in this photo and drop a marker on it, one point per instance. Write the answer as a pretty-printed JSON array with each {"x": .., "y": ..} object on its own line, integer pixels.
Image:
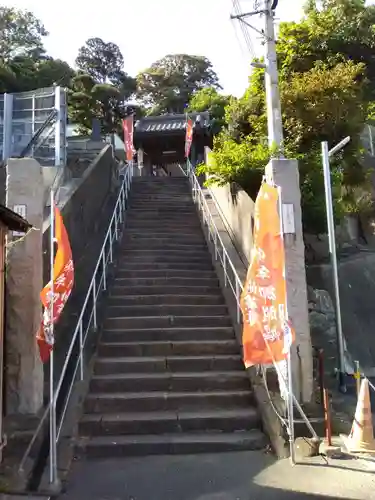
[
  {"x": 289, "y": 226},
  {"x": 20, "y": 210}
]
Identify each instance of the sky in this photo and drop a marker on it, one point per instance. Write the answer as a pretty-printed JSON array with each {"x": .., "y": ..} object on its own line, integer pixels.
[{"x": 147, "y": 30}]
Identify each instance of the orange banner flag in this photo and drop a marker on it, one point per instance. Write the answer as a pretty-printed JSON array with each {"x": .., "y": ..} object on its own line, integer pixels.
[
  {"x": 188, "y": 137},
  {"x": 63, "y": 281},
  {"x": 267, "y": 334}
]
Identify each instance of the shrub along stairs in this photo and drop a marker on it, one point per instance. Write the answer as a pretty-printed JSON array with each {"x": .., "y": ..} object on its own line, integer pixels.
[{"x": 168, "y": 377}]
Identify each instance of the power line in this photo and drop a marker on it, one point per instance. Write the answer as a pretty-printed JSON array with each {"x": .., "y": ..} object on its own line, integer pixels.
[{"x": 238, "y": 14}]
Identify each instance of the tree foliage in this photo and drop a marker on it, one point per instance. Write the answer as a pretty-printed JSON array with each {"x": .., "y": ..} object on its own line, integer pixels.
[
  {"x": 24, "y": 64},
  {"x": 89, "y": 99},
  {"x": 21, "y": 34},
  {"x": 209, "y": 99},
  {"x": 326, "y": 87},
  {"x": 168, "y": 85},
  {"x": 104, "y": 62}
]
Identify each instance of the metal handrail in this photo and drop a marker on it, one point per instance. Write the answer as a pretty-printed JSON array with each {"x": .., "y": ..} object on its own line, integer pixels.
[
  {"x": 213, "y": 232},
  {"x": 113, "y": 234},
  {"x": 37, "y": 139}
]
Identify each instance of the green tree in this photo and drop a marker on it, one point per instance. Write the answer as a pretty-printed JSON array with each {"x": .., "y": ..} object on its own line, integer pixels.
[
  {"x": 169, "y": 84},
  {"x": 21, "y": 34},
  {"x": 104, "y": 62},
  {"x": 332, "y": 31},
  {"x": 322, "y": 103},
  {"x": 209, "y": 99},
  {"x": 89, "y": 99}
]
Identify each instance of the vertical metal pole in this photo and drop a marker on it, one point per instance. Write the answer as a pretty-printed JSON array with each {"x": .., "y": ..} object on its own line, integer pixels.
[
  {"x": 237, "y": 301},
  {"x": 94, "y": 304},
  {"x": 7, "y": 126},
  {"x": 357, "y": 375},
  {"x": 225, "y": 268},
  {"x": 81, "y": 350},
  {"x": 110, "y": 246},
  {"x": 58, "y": 126},
  {"x": 370, "y": 138},
  {"x": 52, "y": 423},
  {"x": 290, "y": 408},
  {"x": 274, "y": 122},
  {"x": 104, "y": 270},
  {"x": 332, "y": 251},
  {"x": 33, "y": 122},
  {"x": 289, "y": 386},
  {"x": 327, "y": 417}
]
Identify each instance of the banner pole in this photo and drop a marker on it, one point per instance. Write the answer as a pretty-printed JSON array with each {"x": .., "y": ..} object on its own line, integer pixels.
[
  {"x": 289, "y": 387},
  {"x": 53, "y": 450}
]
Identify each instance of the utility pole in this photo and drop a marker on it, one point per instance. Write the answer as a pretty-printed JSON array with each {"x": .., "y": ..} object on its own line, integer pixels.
[{"x": 274, "y": 121}]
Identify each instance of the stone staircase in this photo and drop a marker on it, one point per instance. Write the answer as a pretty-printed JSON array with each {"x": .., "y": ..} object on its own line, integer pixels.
[{"x": 168, "y": 377}]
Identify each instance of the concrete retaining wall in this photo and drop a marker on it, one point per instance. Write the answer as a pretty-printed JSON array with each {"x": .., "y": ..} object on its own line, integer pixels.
[
  {"x": 86, "y": 216},
  {"x": 237, "y": 211}
]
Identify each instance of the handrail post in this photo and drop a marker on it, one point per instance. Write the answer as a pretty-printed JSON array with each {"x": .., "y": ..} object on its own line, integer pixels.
[
  {"x": 110, "y": 246},
  {"x": 225, "y": 268},
  {"x": 104, "y": 271},
  {"x": 81, "y": 350},
  {"x": 94, "y": 304},
  {"x": 237, "y": 301}
]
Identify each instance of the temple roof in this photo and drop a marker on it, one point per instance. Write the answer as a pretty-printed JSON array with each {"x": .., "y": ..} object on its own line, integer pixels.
[{"x": 170, "y": 122}]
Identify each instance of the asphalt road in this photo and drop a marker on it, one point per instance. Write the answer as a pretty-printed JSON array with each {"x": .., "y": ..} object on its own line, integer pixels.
[{"x": 227, "y": 476}]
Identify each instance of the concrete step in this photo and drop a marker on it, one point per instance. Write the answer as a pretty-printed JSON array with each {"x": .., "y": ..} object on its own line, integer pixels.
[
  {"x": 172, "y": 299},
  {"x": 124, "y": 289},
  {"x": 137, "y": 234},
  {"x": 154, "y": 310},
  {"x": 168, "y": 334},
  {"x": 227, "y": 420},
  {"x": 136, "y": 265},
  {"x": 163, "y": 231},
  {"x": 163, "y": 401},
  {"x": 165, "y": 280},
  {"x": 166, "y": 217},
  {"x": 183, "y": 348},
  {"x": 143, "y": 225},
  {"x": 158, "y": 364},
  {"x": 161, "y": 197},
  {"x": 181, "y": 203},
  {"x": 163, "y": 348},
  {"x": 164, "y": 245},
  {"x": 175, "y": 238},
  {"x": 165, "y": 273},
  {"x": 171, "y": 444},
  {"x": 167, "y": 321},
  {"x": 179, "y": 381},
  {"x": 167, "y": 256},
  {"x": 164, "y": 254}
]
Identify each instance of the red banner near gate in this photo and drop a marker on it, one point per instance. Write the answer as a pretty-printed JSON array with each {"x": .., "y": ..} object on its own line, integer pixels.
[{"x": 128, "y": 126}]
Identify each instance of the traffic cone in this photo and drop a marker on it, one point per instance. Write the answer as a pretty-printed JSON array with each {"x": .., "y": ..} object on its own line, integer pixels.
[{"x": 361, "y": 437}]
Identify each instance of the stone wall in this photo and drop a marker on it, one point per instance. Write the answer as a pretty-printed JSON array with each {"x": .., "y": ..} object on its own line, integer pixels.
[
  {"x": 23, "y": 369},
  {"x": 86, "y": 216},
  {"x": 237, "y": 211}
]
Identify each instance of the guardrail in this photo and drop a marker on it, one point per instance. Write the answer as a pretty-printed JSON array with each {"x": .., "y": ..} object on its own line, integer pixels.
[
  {"x": 87, "y": 321},
  {"x": 231, "y": 277}
]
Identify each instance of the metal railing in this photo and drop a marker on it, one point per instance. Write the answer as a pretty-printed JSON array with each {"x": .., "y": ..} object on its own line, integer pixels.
[
  {"x": 231, "y": 277},
  {"x": 87, "y": 321}
]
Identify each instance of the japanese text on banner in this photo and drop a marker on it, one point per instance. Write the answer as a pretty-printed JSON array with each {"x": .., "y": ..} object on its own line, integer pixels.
[{"x": 267, "y": 334}]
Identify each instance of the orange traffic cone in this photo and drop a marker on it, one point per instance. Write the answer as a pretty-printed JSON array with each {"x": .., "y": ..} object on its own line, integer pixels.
[{"x": 361, "y": 437}]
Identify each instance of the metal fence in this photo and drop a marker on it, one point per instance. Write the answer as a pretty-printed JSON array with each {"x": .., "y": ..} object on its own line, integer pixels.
[{"x": 21, "y": 116}]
